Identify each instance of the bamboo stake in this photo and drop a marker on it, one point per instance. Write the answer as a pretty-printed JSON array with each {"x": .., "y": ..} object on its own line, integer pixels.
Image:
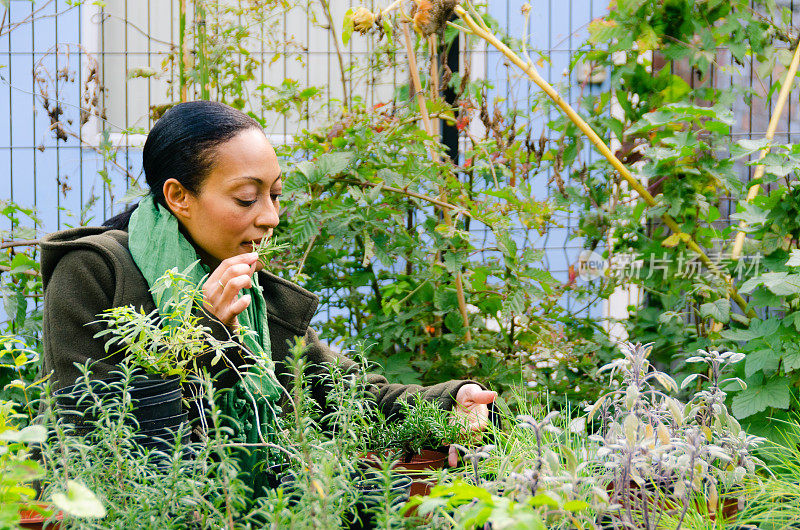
[
  {"x": 183, "y": 58},
  {"x": 434, "y": 85},
  {"x": 529, "y": 69},
  {"x": 786, "y": 89},
  {"x": 426, "y": 120}
]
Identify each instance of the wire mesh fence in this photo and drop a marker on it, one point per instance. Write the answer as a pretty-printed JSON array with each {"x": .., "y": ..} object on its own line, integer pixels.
[{"x": 82, "y": 84}]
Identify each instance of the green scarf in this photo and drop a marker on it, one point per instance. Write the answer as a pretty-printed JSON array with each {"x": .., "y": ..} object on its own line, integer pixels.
[{"x": 157, "y": 245}]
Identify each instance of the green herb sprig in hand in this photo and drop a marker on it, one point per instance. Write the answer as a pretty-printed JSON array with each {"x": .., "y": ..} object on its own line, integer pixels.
[{"x": 267, "y": 248}]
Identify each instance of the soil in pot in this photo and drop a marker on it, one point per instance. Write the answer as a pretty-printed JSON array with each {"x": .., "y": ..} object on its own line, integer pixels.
[{"x": 33, "y": 519}]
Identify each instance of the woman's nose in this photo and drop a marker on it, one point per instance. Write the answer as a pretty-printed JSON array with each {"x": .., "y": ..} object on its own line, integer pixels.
[{"x": 268, "y": 215}]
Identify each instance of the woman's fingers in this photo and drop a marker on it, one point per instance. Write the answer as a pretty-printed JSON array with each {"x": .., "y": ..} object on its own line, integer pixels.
[
  {"x": 240, "y": 304},
  {"x": 248, "y": 259},
  {"x": 234, "y": 271},
  {"x": 223, "y": 286},
  {"x": 452, "y": 457},
  {"x": 231, "y": 288},
  {"x": 484, "y": 397},
  {"x": 475, "y": 418}
]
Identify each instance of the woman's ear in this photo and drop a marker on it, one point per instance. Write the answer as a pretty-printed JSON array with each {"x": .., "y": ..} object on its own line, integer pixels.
[{"x": 178, "y": 199}]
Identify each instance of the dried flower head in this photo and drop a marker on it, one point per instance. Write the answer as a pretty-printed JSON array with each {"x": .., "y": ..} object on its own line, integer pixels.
[
  {"x": 363, "y": 20},
  {"x": 526, "y": 8},
  {"x": 431, "y": 16}
]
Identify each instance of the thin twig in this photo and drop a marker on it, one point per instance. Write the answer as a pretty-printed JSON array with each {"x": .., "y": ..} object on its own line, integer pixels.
[
  {"x": 305, "y": 254},
  {"x": 21, "y": 243},
  {"x": 327, "y": 11},
  {"x": 409, "y": 193}
]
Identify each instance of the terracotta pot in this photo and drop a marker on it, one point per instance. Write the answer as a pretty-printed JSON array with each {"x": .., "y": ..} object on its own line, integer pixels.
[
  {"x": 31, "y": 518},
  {"x": 418, "y": 469}
]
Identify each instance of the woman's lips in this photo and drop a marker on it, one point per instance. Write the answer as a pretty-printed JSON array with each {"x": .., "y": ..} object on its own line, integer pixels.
[{"x": 251, "y": 245}]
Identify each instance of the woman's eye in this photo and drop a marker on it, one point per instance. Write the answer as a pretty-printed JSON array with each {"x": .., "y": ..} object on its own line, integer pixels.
[
  {"x": 275, "y": 196},
  {"x": 244, "y": 202}
]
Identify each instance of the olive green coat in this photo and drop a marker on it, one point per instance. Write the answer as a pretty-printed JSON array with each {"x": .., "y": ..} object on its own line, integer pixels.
[{"x": 88, "y": 270}]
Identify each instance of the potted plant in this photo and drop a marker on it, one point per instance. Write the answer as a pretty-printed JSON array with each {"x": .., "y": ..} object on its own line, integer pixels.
[
  {"x": 163, "y": 344},
  {"x": 39, "y": 515},
  {"x": 415, "y": 441}
]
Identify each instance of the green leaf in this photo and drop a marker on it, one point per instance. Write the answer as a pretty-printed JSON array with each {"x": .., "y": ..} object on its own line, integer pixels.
[
  {"x": 543, "y": 499},
  {"x": 755, "y": 399},
  {"x": 752, "y": 214},
  {"x": 79, "y": 501},
  {"x": 794, "y": 259},
  {"x": 719, "y": 310},
  {"x": 791, "y": 356},
  {"x": 676, "y": 89},
  {"x": 575, "y": 505},
  {"x": 334, "y": 163},
  {"x": 387, "y": 30},
  {"x": 22, "y": 263},
  {"x": 30, "y": 434},
  {"x": 347, "y": 26},
  {"x": 758, "y": 328},
  {"x": 779, "y": 283},
  {"x": 454, "y": 322},
  {"x": 765, "y": 360},
  {"x": 793, "y": 319},
  {"x": 398, "y": 367},
  {"x": 748, "y": 147}
]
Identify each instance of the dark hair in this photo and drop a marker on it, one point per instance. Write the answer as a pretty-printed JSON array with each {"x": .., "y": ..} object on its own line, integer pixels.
[{"x": 181, "y": 146}]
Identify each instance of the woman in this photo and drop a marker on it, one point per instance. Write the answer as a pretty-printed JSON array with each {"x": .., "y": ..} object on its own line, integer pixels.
[{"x": 215, "y": 185}]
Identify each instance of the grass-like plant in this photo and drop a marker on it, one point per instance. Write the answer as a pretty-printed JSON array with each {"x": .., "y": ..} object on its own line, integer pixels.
[{"x": 191, "y": 486}]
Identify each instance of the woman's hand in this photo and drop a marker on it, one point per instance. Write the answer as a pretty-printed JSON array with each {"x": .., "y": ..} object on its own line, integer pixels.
[
  {"x": 472, "y": 405},
  {"x": 221, "y": 290}
]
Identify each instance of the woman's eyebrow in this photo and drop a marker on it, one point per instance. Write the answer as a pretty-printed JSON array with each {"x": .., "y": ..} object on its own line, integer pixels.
[{"x": 256, "y": 180}]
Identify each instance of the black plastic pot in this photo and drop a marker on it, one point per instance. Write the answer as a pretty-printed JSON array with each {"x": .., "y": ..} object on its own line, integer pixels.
[
  {"x": 145, "y": 408},
  {"x": 74, "y": 396},
  {"x": 157, "y": 404},
  {"x": 160, "y": 432},
  {"x": 370, "y": 487},
  {"x": 169, "y": 422},
  {"x": 164, "y": 443}
]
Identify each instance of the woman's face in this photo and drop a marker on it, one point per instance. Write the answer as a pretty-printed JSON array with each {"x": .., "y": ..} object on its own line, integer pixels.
[{"x": 237, "y": 204}]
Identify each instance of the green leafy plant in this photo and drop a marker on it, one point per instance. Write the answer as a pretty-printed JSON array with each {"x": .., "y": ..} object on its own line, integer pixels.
[
  {"x": 422, "y": 425},
  {"x": 17, "y": 469},
  {"x": 168, "y": 343},
  {"x": 267, "y": 248}
]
